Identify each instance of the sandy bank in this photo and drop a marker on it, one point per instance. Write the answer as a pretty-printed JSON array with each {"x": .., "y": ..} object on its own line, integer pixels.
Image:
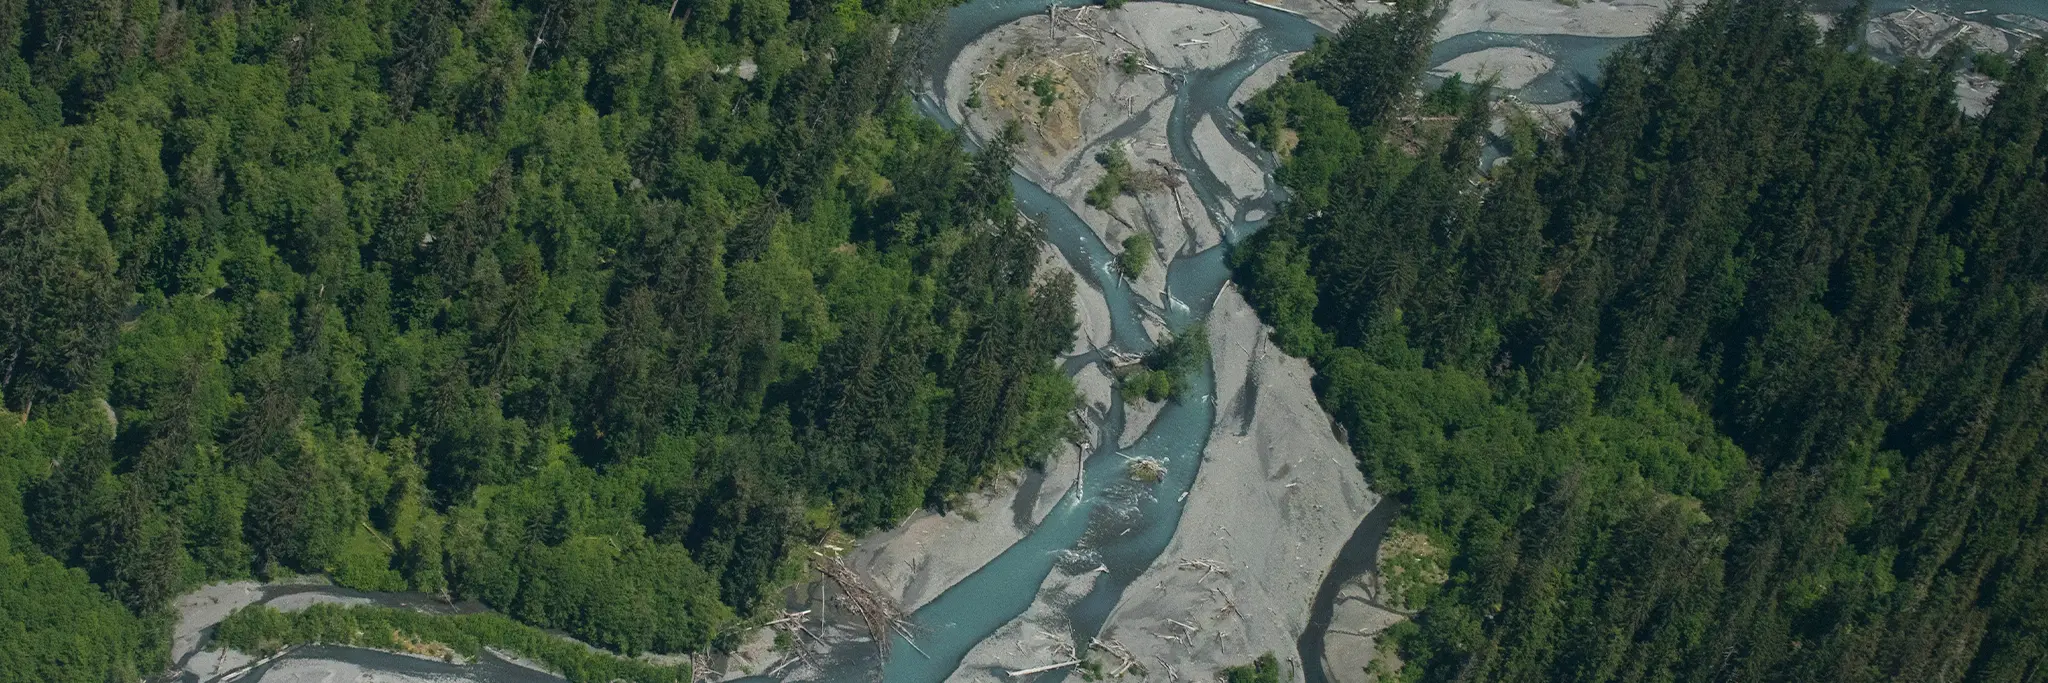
[
  {"x": 1091, "y": 311},
  {"x": 1331, "y": 14},
  {"x": 201, "y": 609},
  {"x": 1107, "y": 88},
  {"x": 1038, "y": 637},
  {"x": 1351, "y": 643},
  {"x": 1916, "y": 33},
  {"x": 1147, "y": 205},
  {"x": 1098, "y": 68},
  {"x": 1263, "y": 78},
  {"x": 1237, "y": 171},
  {"x": 1138, "y": 417},
  {"x": 1514, "y": 66},
  {"x": 929, "y": 552},
  {"x": 1275, "y": 498},
  {"x": 205, "y": 607},
  {"x": 1619, "y": 19},
  {"x": 333, "y": 671}
]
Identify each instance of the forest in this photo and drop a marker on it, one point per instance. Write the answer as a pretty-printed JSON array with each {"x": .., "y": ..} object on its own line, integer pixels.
[
  {"x": 599, "y": 312},
  {"x": 1743, "y": 377}
]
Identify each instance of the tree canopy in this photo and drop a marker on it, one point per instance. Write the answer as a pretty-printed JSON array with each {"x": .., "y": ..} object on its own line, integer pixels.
[
  {"x": 1740, "y": 379},
  {"x": 598, "y": 311}
]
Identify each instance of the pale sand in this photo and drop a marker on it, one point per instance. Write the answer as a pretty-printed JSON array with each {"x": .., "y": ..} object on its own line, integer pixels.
[
  {"x": 755, "y": 655},
  {"x": 1923, "y": 34},
  {"x": 1275, "y": 498},
  {"x": 1557, "y": 117},
  {"x": 1086, "y": 49},
  {"x": 202, "y": 608},
  {"x": 1620, "y": 19},
  {"x": 1138, "y": 416},
  {"x": 210, "y": 664},
  {"x": 1974, "y": 93},
  {"x": 1058, "y": 153},
  {"x": 1237, "y": 171},
  {"x": 1356, "y": 622},
  {"x": 1091, "y": 311},
  {"x": 331, "y": 671},
  {"x": 1331, "y": 14},
  {"x": 1096, "y": 389},
  {"x": 1151, "y": 209},
  {"x": 1263, "y": 78},
  {"x": 299, "y": 601},
  {"x": 1514, "y": 66}
]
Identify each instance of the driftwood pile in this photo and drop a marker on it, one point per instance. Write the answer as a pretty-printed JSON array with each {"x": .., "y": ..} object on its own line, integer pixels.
[{"x": 877, "y": 612}]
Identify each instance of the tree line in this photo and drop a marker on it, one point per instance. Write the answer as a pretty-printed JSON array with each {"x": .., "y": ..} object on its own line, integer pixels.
[
  {"x": 597, "y": 311},
  {"x": 1742, "y": 378}
]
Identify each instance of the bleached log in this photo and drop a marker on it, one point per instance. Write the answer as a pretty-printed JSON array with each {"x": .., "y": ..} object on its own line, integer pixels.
[
  {"x": 1020, "y": 673},
  {"x": 1275, "y": 8}
]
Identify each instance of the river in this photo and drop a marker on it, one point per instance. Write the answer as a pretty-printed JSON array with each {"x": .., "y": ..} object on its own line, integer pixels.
[{"x": 1111, "y": 521}]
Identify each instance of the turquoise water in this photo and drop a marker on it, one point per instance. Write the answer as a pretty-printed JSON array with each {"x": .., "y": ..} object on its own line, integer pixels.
[
  {"x": 1114, "y": 522},
  {"x": 1111, "y": 521}
]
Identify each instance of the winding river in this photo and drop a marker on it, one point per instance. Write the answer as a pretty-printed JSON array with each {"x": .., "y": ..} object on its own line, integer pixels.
[{"x": 1110, "y": 521}]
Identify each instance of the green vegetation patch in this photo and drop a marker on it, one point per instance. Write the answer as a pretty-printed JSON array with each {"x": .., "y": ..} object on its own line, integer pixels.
[
  {"x": 1136, "y": 256},
  {"x": 1163, "y": 372},
  {"x": 1265, "y": 669},
  {"x": 600, "y": 313},
  {"x": 1720, "y": 387},
  {"x": 260, "y": 630},
  {"x": 1116, "y": 176}
]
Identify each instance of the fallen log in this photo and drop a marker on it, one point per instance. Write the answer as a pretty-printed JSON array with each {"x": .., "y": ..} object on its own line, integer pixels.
[
  {"x": 1276, "y": 8},
  {"x": 1020, "y": 673}
]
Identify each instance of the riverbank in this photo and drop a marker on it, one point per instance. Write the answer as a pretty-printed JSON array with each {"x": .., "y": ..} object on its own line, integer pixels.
[
  {"x": 930, "y": 552},
  {"x": 1617, "y": 19},
  {"x": 1076, "y": 82},
  {"x": 196, "y": 659},
  {"x": 1512, "y": 67},
  {"x": 1276, "y": 496}
]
